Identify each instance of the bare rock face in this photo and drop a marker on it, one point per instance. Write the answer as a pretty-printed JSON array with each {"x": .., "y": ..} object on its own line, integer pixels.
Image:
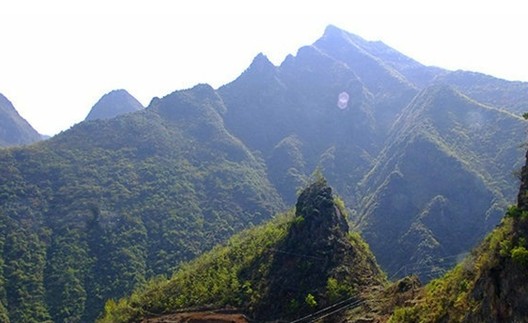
[
  {"x": 319, "y": 218},
  {"x": 522, "y": 197},
  {"x": 502, "y": 289}
]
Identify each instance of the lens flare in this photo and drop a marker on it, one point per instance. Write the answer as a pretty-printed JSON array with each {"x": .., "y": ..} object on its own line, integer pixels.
[{"x": 342, "y": 100}]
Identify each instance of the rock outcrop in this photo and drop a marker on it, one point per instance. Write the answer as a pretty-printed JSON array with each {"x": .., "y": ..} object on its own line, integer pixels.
[{"x": 319, "y": 262}]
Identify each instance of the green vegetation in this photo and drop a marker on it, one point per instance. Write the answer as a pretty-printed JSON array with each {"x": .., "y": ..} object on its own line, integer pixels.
[
  {"x": 269, "y": 271},
  {"x": 104, "y": 207},
  {"x": 95, "y": 211},
  {"x": 218, "y": 278},
  {"x": 336, "y": 290},
  {"x": 441, "y": 132},
  {"x": 520, "y": 255},
  {"x": 310, "y": 301},
  {"x": 454, "y": 296}
]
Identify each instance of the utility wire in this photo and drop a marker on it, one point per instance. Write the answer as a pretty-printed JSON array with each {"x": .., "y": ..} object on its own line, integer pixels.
[
  {"x": 325, "y": 309},
  {"x": 352, "y": 305}
]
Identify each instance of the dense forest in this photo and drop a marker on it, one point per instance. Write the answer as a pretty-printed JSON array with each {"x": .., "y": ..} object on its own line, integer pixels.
[{"x": 92, "y": 212}]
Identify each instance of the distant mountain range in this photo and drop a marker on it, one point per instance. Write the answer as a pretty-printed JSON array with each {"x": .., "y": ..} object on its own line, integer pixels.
[
  {"x": 409, "y": 141},
  {"x": 16, "y": 131},
  {"x": 423, "y": 157}
]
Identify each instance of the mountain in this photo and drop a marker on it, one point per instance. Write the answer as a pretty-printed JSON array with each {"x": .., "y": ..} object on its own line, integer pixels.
[
  {"x": 97, "y": 209},
  {"x": 449, "y": 161},
  {"x": 299, "y": 102},
  {"x": 395, "y": 138},
  {"x": 506, "y": 95},
  {"x": 113, "y": 104},
  {"x": 297, "y": 264},
  {"x": 490, "y": 285},
  {"x": 14, "y": 130},
  {"x": 423, "y": 158}
]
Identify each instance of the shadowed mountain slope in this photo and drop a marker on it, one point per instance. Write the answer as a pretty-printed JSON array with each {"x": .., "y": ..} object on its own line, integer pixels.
[
  {"x": 448, "y": 163},
  {"x": 490, "y": 285},
  {"x": 399, "y": 116}
]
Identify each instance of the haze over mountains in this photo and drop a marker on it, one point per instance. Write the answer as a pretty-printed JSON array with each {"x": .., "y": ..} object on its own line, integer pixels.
[
  {"x": 423, "y": 158},
  {"x": 113, "y": 104},
  {"x": 14, "y": 130}
]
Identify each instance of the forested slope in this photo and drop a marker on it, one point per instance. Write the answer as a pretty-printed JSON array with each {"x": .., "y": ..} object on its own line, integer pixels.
[{"x": 94, "y": 211}]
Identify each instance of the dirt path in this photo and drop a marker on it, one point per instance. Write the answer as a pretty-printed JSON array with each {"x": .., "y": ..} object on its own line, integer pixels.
[{"x": 198, "y": 317}]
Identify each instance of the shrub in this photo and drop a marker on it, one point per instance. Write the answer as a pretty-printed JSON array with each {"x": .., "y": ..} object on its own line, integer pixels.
[
  {"x": 520, "y": 255},
  {"x": 310, "y": 300}
]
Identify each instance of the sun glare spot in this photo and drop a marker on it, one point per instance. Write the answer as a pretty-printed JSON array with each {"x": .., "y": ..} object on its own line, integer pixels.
[{"x": 342, "y": 100}]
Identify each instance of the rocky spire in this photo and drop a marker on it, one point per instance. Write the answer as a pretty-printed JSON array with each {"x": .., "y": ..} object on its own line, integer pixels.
[{"x": 317, "y": 250}]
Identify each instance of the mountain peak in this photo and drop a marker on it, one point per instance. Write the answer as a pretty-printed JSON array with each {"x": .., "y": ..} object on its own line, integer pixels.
[
  {"x": 331, "y": 30},
  {"x": 335, "y": 33},
  {"x": 261, "y": 58},
  {"x": 113, "y": 104},
  {"x": 261, "y": 70},
  {"x": 316, "y": 206},
  {"x": 14, "y": 129},
  {"x": 261, "y": 64}
]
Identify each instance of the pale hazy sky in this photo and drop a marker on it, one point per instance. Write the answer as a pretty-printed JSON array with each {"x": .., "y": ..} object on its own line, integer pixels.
[{"x": 57, "y": 58}]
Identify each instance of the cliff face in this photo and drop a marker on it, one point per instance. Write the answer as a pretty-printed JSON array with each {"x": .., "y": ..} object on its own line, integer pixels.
[
  {"x": 502, "y": 289},
  {"x": 522, "y": 197},
  {"x": 502, "y": 293}
]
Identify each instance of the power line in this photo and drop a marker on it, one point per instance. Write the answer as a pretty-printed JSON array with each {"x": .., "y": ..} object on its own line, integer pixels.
[
  {"x": 352, "y": 305},
  {"x": 418, "y": 265},
  {"x": 326, "y": 309}
]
